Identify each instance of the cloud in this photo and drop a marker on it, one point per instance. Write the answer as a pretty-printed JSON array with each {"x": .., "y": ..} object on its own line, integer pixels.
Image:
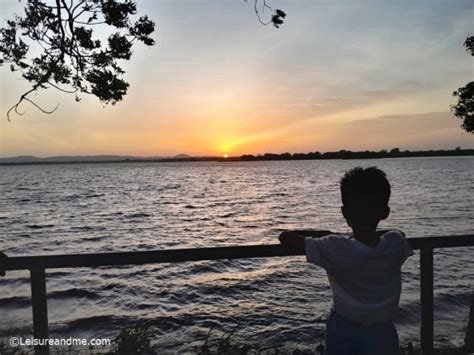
[{"x": 411, "y": 131}]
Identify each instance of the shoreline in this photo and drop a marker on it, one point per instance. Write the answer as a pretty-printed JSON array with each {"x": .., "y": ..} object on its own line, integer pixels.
[{"x": 341, "y": 155}]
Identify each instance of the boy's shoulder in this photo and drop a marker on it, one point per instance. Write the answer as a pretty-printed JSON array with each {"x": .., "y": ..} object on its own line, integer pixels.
[
  {"x": 394, "y": 235},
  {"x": 396, "y": 232},
  {"x": 396, "y": 241},
  {"x": 338, "y": 251},
  {"x": 334, "y": 238},
  {"x": 389, "y": 239},
  {"x": 337, "y": 241}
]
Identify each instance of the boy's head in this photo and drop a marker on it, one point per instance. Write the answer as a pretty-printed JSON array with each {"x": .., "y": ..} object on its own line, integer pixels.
[{"x": 365, "y": 194}]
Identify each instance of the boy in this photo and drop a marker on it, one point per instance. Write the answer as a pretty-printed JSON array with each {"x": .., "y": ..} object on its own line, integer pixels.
[{"x": 363, "y": 270}]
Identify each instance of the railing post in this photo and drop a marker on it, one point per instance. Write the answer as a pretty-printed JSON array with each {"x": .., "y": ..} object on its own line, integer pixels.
[
  {"x": 40, "y": 310},
  {"x": 426, "y": 294}
]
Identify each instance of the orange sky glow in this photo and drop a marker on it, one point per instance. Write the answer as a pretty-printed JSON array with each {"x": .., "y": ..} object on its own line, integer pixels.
[{"x": 219, "y": 83}]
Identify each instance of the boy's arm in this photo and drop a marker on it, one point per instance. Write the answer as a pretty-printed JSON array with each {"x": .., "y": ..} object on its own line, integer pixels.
[{"x": 296, "y": 239}]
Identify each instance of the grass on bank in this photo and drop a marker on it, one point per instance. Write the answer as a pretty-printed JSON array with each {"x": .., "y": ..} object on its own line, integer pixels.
[{"x": 136, "y": 339}]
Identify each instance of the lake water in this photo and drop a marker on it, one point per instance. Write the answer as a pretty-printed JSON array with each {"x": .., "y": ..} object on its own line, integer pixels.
[{"x": 275, "y": 302}]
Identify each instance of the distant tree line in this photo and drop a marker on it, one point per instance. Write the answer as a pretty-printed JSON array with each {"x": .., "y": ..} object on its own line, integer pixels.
[
  {"x": 342, "y": 154},
  {"x": 347, "y": 154}
]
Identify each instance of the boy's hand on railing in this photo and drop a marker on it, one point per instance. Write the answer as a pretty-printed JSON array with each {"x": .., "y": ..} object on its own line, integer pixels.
[
  {"x": 3, "y": 260},
  {"x": 292, "y": 240}
]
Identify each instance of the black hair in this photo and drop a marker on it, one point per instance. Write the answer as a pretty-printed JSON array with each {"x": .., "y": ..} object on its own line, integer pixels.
[{"x": 365, "y": 184}]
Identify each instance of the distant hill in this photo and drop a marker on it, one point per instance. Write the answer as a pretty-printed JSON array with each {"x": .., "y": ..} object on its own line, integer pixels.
[
  {"x": 25, "y": 159},
  {"x": 73, "y": 158},
  {"x": 182, "y": 156},
  {"x": 20, "y": 159}
]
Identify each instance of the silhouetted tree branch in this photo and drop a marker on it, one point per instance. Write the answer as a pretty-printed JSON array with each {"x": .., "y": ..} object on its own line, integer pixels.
[
  {"x": 464, "y": 108},
  {"x": 276, "y": 16},
  {"x": 69, "y": 54},
  {"x": 53, "y": 46},
  {"x": 469, "y": 44}
]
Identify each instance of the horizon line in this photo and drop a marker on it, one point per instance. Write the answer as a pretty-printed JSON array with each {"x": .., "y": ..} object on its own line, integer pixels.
[{"x": 185, "y": 155}]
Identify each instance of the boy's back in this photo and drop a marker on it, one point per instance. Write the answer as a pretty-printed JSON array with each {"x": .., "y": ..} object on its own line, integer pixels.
[{"x": 365, "y": 280}]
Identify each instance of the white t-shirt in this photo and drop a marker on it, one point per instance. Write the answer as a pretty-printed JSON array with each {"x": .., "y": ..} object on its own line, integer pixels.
[{"x": 365, "y": 281}]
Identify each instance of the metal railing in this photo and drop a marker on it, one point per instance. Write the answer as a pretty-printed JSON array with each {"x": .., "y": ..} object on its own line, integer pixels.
[{"x": 37, "y": 266}]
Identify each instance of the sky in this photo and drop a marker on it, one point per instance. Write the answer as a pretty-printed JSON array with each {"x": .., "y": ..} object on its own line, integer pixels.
[{"x": 353, "y": 75}]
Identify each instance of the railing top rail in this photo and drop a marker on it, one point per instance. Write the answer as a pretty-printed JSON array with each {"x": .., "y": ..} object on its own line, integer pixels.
[{"x": 194, "y": 254}]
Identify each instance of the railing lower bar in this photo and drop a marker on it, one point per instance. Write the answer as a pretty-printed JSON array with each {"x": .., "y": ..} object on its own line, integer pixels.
[
  {"x": 182, "y": 255},
  {"x": 40, "y": 309},
  {"x": 426, "y": 295}
]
